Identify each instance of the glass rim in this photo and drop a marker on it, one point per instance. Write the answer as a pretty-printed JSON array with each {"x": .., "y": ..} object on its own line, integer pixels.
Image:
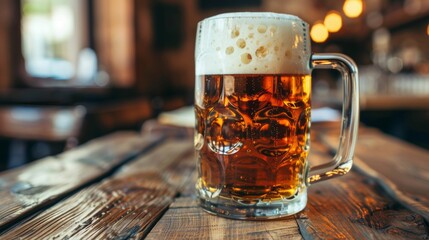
[{"x": 257, "y": 15}]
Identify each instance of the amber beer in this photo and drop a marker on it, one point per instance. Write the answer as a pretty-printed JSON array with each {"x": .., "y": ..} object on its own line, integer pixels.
[
  {"x": 256, "y": 130},
  {"x": 252, "y": 108}
]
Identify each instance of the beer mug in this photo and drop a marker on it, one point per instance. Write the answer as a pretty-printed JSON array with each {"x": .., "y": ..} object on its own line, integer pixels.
[{"x": 252, "y": 107}]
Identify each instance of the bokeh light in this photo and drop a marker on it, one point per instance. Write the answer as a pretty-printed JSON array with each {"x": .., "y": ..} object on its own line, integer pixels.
[
  {"x": 427, "y": 30},
  {"x": 353, "y": 8},
  {"x": 319, "y": 33},
  {"x": 333, "y": 21}
]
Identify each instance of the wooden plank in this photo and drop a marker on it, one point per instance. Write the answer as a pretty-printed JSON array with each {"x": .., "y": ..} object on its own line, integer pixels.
[
  {"x": 29, "y": 188},
  {"x": 185, "y": 220},
  {"x": 354, "y": 207},
  {"x": 121, "y": 207},
  {"x": 128, "y": 205},
  {"x": 349, "y": 208},
  {"x": 401, "y": 169},
  {"x": 189, "y": 189}
]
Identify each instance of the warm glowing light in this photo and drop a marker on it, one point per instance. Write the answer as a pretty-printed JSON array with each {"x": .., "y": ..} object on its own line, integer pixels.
[
  {"x": 333, "y": 21},
  {"x": 353, "y": 8},
  {"x": 319, "y": 33},
  {"x": 427, "y": 30}
]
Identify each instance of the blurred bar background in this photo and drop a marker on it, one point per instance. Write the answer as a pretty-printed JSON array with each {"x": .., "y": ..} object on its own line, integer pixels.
[{"x": 73, "y": 70}]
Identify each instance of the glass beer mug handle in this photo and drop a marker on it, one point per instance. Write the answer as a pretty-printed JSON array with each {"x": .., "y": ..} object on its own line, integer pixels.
[{"x": 343, "y": 160}]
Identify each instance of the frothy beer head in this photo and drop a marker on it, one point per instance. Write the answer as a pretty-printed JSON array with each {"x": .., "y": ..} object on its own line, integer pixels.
[{"x": 252, "y": 43}]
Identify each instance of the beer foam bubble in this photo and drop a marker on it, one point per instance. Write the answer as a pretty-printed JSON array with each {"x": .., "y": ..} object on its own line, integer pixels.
[{"x": 252, "y": 43}]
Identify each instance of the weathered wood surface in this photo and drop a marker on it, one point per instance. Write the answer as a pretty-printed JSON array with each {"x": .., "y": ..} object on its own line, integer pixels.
[
  {"x": 153, "y": 197},
  {"x": 185, "y": 220},
  {"x": 124, "y": 206},
  {"x": 350, "y": 207},
  {"x": 27, "y": 189},
  {"x": 401, "y": 169}
]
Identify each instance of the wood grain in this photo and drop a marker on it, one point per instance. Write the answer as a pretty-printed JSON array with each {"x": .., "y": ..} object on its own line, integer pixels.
[
  {"x": 124, "y": 206},
  {"x": 185, "y": 220},
  {"x": 401, "y": 169},
  {"x": 353, "y": 207},
  {"x": 29, "y": 188},
  {"x": 153, "y": 197}
]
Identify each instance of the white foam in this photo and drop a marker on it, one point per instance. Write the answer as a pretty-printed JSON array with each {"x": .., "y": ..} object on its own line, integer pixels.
[{"x": 252, "y": 43}]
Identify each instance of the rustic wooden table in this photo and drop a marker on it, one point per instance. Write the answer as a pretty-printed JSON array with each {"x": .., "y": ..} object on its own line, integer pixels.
[{"x": 130, "y": 186}]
